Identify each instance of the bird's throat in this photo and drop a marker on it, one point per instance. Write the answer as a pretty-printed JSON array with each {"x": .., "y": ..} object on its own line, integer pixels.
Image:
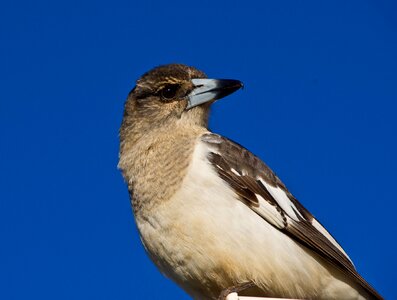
[{"x": 154, "y": 167}]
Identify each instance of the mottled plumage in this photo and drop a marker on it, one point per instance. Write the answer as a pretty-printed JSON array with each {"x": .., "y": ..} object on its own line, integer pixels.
[{"x": 211, "y": 215}]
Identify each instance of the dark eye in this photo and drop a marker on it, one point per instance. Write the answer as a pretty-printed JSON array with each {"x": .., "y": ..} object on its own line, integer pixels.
[{"x": 169, "y": 91}]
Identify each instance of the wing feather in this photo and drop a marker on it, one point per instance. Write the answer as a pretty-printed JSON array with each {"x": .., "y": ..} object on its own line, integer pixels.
[{"x": 267, "y": 196}]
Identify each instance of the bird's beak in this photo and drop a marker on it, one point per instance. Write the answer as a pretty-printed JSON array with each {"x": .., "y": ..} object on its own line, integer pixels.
[{"x": 206, "y": 90}]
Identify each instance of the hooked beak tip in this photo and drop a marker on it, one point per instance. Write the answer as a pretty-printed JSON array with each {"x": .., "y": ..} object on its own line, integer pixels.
[{"x": 207, "y": 90}]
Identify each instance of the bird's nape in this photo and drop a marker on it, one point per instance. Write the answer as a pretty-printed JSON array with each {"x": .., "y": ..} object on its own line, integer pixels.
[{"x": 211, "y": 214}]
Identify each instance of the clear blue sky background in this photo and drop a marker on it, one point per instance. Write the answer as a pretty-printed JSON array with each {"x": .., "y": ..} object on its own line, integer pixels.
[{"x": 319, "y": 106}]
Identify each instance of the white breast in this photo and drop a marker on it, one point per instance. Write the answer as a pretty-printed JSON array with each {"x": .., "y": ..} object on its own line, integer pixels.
[{"x": 206, "y": 239}]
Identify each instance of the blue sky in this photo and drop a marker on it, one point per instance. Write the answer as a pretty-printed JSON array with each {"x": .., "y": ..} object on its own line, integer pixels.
[{"x": 319, "y": 106}]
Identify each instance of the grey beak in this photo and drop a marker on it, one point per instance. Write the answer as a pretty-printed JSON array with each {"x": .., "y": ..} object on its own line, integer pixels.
[{"x": 211, "y": 89}]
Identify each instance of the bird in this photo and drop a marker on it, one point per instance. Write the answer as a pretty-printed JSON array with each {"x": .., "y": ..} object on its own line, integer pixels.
[{"x": 212, "y": 216}]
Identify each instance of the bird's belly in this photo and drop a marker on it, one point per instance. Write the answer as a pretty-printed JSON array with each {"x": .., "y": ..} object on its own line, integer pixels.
[{"x": 206, "y": 240}]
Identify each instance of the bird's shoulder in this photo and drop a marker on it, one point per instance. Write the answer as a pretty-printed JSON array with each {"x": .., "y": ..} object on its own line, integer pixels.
[{"x": 260, "y": 189}]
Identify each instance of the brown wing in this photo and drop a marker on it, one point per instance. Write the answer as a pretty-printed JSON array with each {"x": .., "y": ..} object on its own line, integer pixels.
[{"x": 266, "y": 195}]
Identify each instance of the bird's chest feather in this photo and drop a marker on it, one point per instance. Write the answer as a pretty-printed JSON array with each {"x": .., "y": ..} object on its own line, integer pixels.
[
  {"x": 205, "y": 238},
  {"x": 183, "y": 235}
]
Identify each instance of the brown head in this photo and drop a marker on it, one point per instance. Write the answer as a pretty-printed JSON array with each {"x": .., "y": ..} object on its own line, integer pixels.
[
  {"x": 164, "y": 114},
  {"x": 172, "y": 93}
]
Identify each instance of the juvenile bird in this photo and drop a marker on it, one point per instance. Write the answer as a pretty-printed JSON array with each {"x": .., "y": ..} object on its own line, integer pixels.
[{"x": 211, "y": 215}]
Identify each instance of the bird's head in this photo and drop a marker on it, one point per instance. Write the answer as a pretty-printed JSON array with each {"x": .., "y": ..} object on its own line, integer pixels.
[{"x": 172, "y": 93}]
